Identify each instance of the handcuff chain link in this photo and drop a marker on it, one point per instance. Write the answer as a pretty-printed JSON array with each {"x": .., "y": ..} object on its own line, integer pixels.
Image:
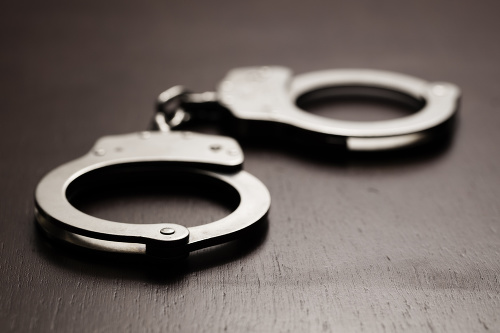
[{"x": 170, "y": 111}]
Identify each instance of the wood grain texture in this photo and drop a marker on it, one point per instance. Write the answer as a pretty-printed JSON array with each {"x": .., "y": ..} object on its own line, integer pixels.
[{"x": 397, "y": 243}]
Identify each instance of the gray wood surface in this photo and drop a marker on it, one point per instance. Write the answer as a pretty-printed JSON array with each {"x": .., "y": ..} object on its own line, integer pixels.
[{"x": 397, "y": 243}]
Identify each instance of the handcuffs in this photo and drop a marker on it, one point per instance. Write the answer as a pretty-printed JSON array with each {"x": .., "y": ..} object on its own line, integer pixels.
[{"x": 249, "y": 97}]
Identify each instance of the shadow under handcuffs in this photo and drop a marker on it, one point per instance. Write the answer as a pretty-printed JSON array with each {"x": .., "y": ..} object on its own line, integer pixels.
[
  {"x": 438, "y": 145},
  {"x": 130, "y": 266},
  {"x": 124, "y": 183}
]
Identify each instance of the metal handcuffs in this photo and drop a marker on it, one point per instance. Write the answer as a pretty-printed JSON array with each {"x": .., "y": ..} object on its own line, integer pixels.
[{"x": 249, "y": 96}]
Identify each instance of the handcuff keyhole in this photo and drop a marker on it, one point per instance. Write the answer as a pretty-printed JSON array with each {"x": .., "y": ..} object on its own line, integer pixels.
[
  {"x": 152, "y": 193},
  {"x": 215, "y": 147},
  {"x": 356, "y": 103}
]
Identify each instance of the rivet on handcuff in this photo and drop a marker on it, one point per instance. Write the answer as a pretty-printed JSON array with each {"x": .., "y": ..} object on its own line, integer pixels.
[{"x": 250, "y": 97}]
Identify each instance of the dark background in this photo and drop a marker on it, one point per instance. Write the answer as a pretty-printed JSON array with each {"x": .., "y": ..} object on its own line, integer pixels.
[{"x": 398, "y": 243}]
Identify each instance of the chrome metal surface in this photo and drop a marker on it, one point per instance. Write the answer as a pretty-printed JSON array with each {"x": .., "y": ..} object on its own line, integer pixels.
[
  {"x": 170, "y": 106},
  {"x": 63, "y": 221},
  {"x": 256, "y": 94},
  {"x": 269, "y": 94}
]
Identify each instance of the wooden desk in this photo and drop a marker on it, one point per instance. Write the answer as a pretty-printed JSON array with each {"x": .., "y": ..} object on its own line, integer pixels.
[{"x": 389, "y": 244}]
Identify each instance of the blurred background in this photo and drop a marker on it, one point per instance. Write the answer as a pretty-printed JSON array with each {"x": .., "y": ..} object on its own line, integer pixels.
[{"x": 387, "y": 245}]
